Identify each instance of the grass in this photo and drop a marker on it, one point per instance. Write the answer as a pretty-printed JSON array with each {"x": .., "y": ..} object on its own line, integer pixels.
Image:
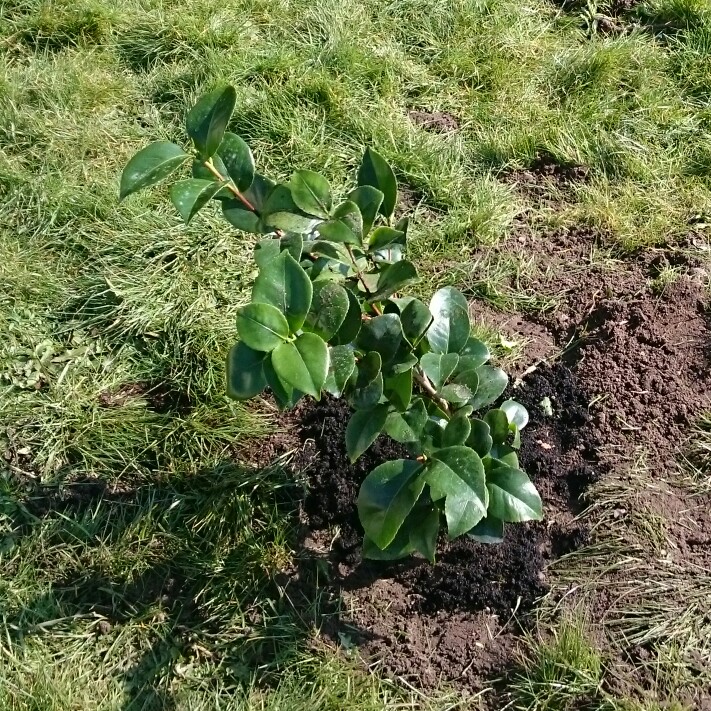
[{"x": 141, "y": 558}]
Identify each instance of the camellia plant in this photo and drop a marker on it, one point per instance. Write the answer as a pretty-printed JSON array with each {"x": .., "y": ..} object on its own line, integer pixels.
[{"x": 329, "y": 312}]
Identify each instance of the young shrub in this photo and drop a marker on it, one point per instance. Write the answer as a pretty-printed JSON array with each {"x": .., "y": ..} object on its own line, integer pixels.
[{"x": 330, "y": 313}]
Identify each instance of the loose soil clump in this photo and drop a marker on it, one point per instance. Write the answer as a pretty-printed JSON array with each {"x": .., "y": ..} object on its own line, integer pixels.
[{"x": 435, "y": 121}]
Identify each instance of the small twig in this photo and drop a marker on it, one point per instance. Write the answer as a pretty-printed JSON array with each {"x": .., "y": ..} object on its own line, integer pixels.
[
  {"x": 230, "y": 186},
  {"x": 424, "y": 382},
  {"x": 361, "y": 279}
]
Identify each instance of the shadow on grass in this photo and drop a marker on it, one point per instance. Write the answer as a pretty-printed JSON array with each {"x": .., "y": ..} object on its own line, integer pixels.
[{"x": 203, "y": 564}]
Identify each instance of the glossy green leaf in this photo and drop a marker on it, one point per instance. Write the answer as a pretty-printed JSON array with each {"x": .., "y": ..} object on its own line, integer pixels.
[
  {"x": 382, "y": 334},
  {"x": 449, "y": 331},
  {"x": 266, "y": 251},
  {"x": 476, "y": 352},
  {"x": 376, "y": 172},
  {"x": 456, "y": 393},
  {"x": 245, "y": 372},
  {"x": 384, "y": 236},
  {"x": 369, "y": 200},
  {"x": 457, "y": 475},
  {"x": 303, "y": 364},
  {"x": 237, "y": 160},
  {"x": 480, "y": 437},
  {"x": 191, "y": 195},
  {"x": 394, "y": 278},
  {"x": 350, "y": 215},
  {"x": 438, "y": 367},
  {"x": 331, "y": 250},
  {"x": 342, "y": 364},
  {"x": 293, "y": 244},
  {"x": 259, "y": 191},
  {"x": 401, "y": 547},
  {"x": 349, "y": 329},
  {"x": 503, "y": 453},
  {"x": 469, "y": 378},
  {"x": 492, "y": 383},
  {"x": 390, "y": 254},
  {"x": 498, "y": 425},
  {"x": 290, "y": 222},
  {"x": 328, "y": 309},
  {"x": 387, "y": 496},
  {"x": 369, "y": 382},
  {"x": 398, "y": 390},
  {"x": 238, "y": 216},
  {"x": 285, "y": 395},
  {"x": 457, "y": 431},
  {"x": 262, "y": 326},
  {"x": 488, "y": 530},
  {"x": 414, "y": 315},
  {"x": 338, "y": 231},
  {"x": 151, "y": 165},
  {"x": 424, "y": 532},
  {"x": 312, "y": 193},
  {"x": 363, "y": 429},
  {"x": 284, "y": 284},
  {"x": 207, "y": 120},
  {"x": 517, "y": 414},
  {"x": 512, "y": 495},
  {"x": 407, "y": 426}
]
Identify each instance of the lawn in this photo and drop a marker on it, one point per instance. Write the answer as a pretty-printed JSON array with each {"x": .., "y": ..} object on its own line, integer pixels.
[{"x": 554, "y": 159}]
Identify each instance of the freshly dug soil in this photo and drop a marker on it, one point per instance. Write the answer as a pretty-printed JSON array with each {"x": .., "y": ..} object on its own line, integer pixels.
[
  {"x": 436, "y": 121},
  {"x": 638, "y": 374}
]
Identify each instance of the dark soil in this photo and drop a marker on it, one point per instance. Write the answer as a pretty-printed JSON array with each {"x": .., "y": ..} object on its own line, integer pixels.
[
  {"x": 436, "y": 121},
  {"x": 636, "y": 374},
  {"x": 547, "y": 179}
]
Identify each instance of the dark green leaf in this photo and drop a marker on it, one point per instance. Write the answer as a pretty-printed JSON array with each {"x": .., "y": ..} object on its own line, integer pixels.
[
  {"x": 395, "y": 277},
  {"x": 449, "y": 330},
  {"x": 190, "y": 195},
  {"x": 384, "y": 236},
  {"x": 262, "y": 326},
  {"x": 245, "y": 372},
  {"x": 341, "y": 367},
  {"x": 424, "y": 532},
  {"x": 331, "y": 250},
  {"x": 457, "y": 475},
  {"x": 338, "y": 231},
  {"x": 258, "y": 192},
  {"x": 207, "y": 120},
  {"x": 480, "y": 437},
  {"x": 456, "y": 393},
  {"x": 349, "y": 213},
  {"x": 369, "y": 200},
  {"x": 328, "y": 309},
  {"x": 386, "y": 496},
  {"x": 293, "y": 244},
  {"x": 470, "y": 378},
  {"x": 404, "y": 360},
  {"x": 492, "y": 383},
  {"x": 401, "y": 547},
  {"x": 151, "y": 165},
  {"x": 376, "y": 171},
  {"x": 477, "y": 352},
  {"x": 238, "y": 216},
  {"x": 265, "y": 251},
  {"x": 438, "y": 367},
  {"x": 512, "y": 496},
  {"x": 488, "y": 530},
  {"x": 503, "y": 453},
  {"x": 414, "y": 315},
  {"x": 456, "y": 431},
  {"x": 351, "y": 325},
  {"x": 516, "y": 413},
  {"x": 303, "y": 364},
  {"x": 363, "y": 429},
  {"x": 283, "y": 283},
  {"x": 290, "y": 222},
  {"x": 382, "y": 334},
  {"x": 284, "y": 394},
  {"x": 237, "y": 161},
  {"x": 407, "y": 426},
  {"x": 498, "y": 425},
  {"x": 312, "y": 193},
  {"x": 369, "y": 382},
  {"x": 398, "y": 389}
]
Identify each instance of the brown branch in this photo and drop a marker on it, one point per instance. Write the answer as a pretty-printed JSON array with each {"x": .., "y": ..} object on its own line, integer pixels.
[
  {"x": 424, "y": 382},
  {"x": 230, "y": 186}
]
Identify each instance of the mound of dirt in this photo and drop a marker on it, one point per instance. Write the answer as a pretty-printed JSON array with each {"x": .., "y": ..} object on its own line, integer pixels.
[
  {"x": 436, "y": 121},
  {"x": 546, "y": 178}
]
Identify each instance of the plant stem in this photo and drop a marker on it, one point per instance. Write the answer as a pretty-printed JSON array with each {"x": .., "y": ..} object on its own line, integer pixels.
[
  {"x": 424, "y": 382},
  {"x": 230, "y": 186}
]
